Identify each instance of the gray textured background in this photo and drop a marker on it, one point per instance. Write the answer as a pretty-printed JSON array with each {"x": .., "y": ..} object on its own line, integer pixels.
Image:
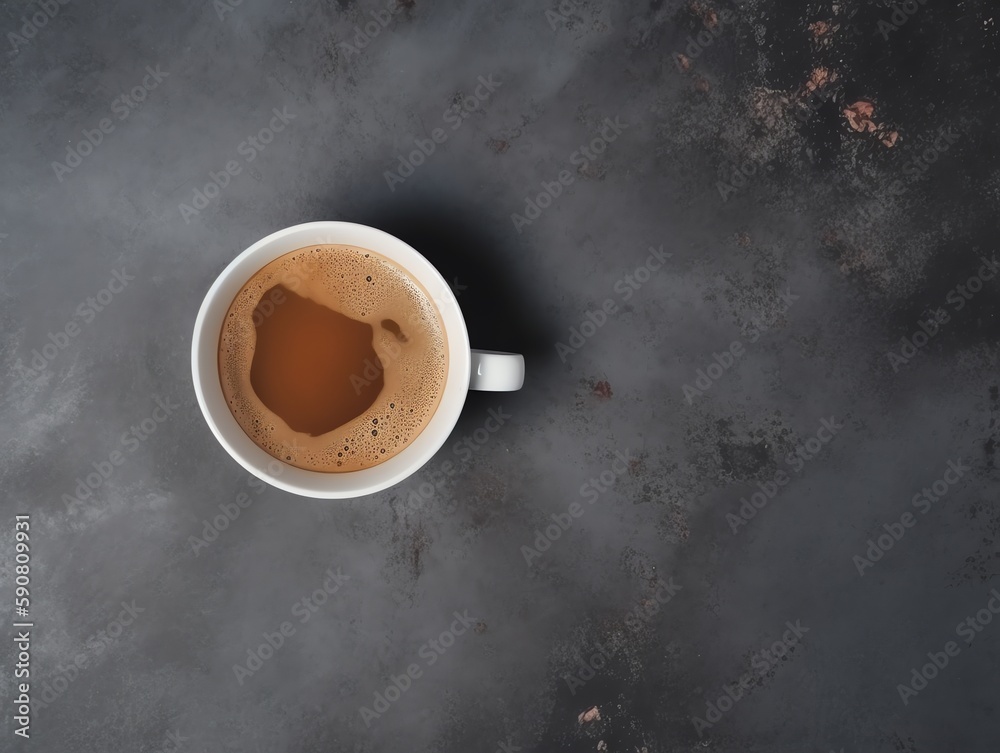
[{"x": 821, "y": 217}]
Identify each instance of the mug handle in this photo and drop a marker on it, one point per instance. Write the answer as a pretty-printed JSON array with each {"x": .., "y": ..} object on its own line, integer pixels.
[{"x": 493, "y": 371}]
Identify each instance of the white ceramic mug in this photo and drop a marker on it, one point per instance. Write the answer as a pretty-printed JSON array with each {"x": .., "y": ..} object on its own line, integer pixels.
[{"x": 467, "y": 368}]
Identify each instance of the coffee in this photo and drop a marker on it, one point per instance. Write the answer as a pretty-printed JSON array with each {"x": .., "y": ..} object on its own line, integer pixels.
[{"x": 332, "y": 358}]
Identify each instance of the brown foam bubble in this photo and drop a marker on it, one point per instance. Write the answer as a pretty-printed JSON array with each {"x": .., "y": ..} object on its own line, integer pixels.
[{"x": 407, "y": 338}]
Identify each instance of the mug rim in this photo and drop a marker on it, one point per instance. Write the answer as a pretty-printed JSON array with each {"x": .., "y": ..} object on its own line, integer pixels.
[{"x": 237, "y": 443}]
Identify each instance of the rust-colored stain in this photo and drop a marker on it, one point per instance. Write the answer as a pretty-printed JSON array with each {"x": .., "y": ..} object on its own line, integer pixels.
[
  {"x": 820, "y": 29},
  {"x": 701, "y": 84},
  {"x": 819, "y": 78},
  {"x": 822, "y": 32},
  {"x": 860, "y": 118},
  {"x": 603, "y": 389},
  {"x": 708, "y": 16},
  {"x": 593, "y": 714},
  {"x": 683, "y": 61},
  {"x": 480, "y": 628},
  {"x": 499, "y": 145}
]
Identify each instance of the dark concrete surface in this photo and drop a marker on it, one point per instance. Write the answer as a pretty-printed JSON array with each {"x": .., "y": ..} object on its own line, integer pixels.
[{"x": 823, "y": 333}]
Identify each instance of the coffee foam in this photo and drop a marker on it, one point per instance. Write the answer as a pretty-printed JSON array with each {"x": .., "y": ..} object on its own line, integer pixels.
[{"x": 367, "y": 287}]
